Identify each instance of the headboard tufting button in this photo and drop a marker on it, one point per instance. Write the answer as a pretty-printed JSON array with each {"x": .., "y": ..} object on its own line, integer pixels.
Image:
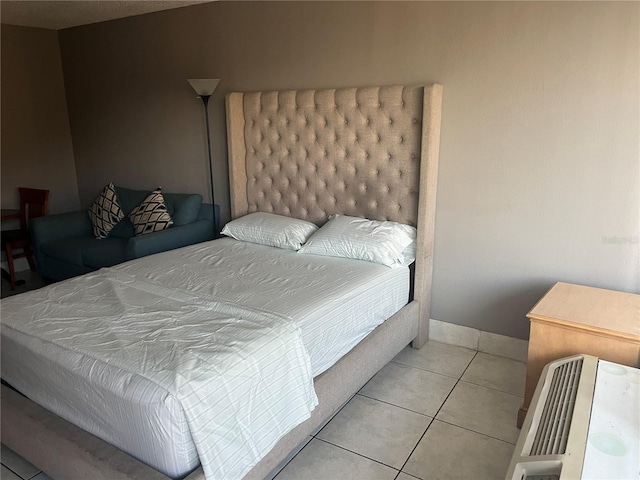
[{"x": 334, "y": 152}]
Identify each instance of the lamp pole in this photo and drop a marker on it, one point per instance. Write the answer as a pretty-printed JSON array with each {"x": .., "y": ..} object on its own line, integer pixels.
[
  {"x": 205, "y": 101},
  {"x": 205, "y": 88}
]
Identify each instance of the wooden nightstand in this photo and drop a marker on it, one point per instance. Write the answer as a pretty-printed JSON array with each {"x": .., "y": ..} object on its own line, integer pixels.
[{"x": 572, "y": 319}]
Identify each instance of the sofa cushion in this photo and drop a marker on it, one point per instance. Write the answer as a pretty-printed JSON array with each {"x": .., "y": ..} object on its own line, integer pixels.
[
  {"x": 82, "y": 250},
  {"x": 105, "y": 212},
  {"x": 184, "y": 208},
  {"x": 130, "y": 199},
  {"x": 124, "y": 229},
  {"x": 151, "y": 215}
]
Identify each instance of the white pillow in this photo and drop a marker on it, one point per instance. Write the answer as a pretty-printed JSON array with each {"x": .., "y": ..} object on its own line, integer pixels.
[
  {"x": 388, "y": 243},
  {"x": 270, "y": 229}
]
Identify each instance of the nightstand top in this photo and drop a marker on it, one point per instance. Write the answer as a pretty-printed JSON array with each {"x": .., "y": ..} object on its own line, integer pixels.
[{"x": 597, "y": 309}]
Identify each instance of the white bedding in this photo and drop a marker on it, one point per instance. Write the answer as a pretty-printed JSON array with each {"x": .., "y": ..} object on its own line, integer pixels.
[
  {"x": 333, "y": 302},
  {"x": 242, "y": 376},
  {"x": 336, "y": 302}
]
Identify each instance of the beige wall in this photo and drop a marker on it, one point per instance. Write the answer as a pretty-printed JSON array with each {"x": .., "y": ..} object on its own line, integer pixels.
[
  {"x": 36, "y": 139},
  {"x": 539, "y": 173}
]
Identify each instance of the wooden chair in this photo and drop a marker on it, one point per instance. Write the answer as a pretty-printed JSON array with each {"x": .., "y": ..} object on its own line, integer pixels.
[{"x": 33, "y": 203}]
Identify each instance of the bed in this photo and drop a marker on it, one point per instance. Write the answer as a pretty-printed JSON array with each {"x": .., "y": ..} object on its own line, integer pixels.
[{"x": 364, "y": 152}]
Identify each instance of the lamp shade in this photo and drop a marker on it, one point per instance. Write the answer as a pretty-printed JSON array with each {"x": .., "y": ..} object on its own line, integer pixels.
[{"x": 204, "y": 86}]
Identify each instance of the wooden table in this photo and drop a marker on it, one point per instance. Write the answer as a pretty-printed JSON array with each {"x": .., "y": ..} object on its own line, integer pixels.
[{"x": 572, "y": 319}]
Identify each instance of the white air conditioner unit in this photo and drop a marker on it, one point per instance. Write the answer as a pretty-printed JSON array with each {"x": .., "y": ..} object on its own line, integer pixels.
[{"x": 583, "y": 422}]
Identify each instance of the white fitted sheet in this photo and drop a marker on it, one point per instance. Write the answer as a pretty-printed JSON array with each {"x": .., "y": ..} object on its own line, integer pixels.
[{"x": 335, "y": 302}]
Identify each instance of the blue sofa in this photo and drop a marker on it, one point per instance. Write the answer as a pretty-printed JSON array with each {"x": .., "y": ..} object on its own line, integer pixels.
[{"x": 65, "y": 246}]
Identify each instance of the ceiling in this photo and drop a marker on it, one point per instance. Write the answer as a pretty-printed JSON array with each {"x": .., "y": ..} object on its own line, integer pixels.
[{"x": 59, "y": 14}]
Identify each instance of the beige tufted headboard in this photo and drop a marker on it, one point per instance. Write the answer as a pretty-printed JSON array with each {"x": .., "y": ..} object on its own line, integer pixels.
[{"x": 369, "y": 152}]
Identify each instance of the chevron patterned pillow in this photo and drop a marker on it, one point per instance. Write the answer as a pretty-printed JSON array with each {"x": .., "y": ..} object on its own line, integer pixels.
[
  {"x": 151, "y": 215},
  {"x": 105, "y": 212}
]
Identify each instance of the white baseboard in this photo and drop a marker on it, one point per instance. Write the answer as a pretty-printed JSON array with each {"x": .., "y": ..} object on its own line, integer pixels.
[{"x": 474, "y": 339}]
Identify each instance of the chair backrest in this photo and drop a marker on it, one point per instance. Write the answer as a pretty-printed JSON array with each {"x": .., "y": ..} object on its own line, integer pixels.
[{"x": 33, "y": 203}]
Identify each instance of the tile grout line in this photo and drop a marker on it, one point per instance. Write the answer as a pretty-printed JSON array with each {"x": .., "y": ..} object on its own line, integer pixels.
[
  {"x": 456, "y": 378},
  {"x": 16, "y": 473},
  {"x": 394, "y": 405},
  {"x": 434, "y": 417},
  {"x": 424, "y": 369},
  {"x": 479, "y": 433},
  {"x": 477, "y": 385},
  {"x": 315, "y": 435},
  {"x": 491, "y": 388},
  {"x": 359, "y": 454}
]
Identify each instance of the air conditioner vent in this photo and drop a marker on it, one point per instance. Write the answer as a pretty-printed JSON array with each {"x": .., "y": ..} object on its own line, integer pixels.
[{"x": 555, "y": 421}]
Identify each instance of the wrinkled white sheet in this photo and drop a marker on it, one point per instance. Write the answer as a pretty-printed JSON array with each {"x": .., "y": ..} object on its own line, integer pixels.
[
  {"x": 242, "y": 374},
  {"x": 336, "y": 302}
]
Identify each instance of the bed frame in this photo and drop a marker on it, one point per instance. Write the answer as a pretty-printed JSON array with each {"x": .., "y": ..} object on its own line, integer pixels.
[{"x": 369, "y": 152}]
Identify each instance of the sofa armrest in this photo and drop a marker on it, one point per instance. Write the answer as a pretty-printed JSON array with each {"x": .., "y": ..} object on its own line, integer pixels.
[
  {"x": 56, "y": 227},
  {"x": 174, "y": 237}
]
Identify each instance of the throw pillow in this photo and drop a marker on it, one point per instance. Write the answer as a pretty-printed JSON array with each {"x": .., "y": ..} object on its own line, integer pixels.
[
  {"x": 105, "y": 212},
  {"x": 151, "y": 215}
]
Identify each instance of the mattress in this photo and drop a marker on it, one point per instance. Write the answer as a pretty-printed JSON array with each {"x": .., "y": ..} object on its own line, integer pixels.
[{"x": 334, "y": 302}]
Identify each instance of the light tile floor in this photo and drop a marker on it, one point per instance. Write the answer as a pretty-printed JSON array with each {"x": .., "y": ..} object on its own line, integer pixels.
[
  {"x": 442, "y": 412},
  {"x": 14, "y": 467}
]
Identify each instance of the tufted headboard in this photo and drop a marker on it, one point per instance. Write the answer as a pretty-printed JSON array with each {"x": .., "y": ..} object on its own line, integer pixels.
[{"x": 368, "y": 152}]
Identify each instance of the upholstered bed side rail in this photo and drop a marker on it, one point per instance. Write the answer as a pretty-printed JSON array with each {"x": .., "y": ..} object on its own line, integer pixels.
[{"x": 77, "y": 454}]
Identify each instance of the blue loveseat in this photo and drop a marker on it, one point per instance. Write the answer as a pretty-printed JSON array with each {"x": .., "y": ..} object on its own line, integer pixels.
[{"x": 65, "y": 246}]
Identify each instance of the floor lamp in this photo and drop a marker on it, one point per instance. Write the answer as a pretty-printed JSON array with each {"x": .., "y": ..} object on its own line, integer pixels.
[{"x": 205, "y": 87}]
